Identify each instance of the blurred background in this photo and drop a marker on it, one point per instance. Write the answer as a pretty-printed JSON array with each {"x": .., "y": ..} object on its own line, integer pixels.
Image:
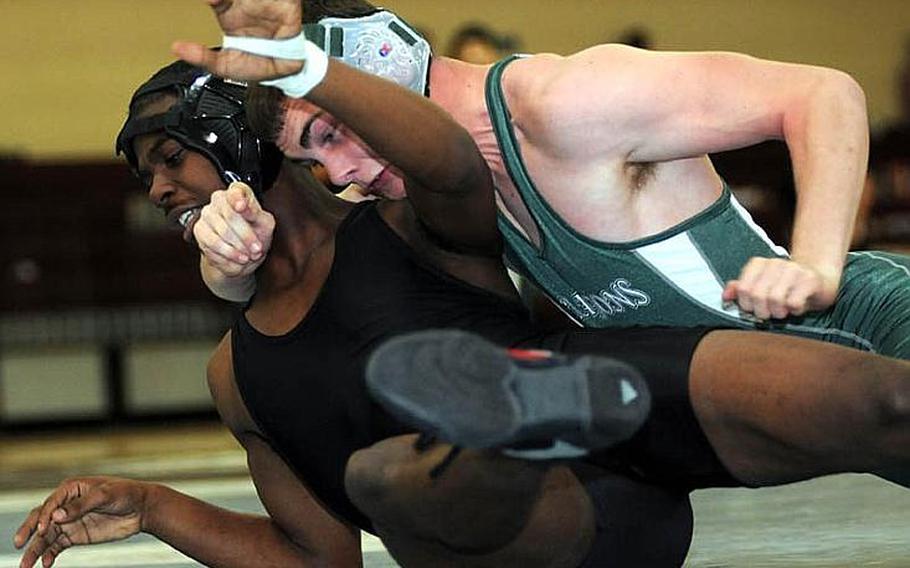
[
  {"x": 70, "y": 66},
  {"x": 105, "y": 327}
]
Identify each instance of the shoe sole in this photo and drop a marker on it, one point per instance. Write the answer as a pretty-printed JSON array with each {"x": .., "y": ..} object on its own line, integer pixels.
[{"x": 471, "y": 393}]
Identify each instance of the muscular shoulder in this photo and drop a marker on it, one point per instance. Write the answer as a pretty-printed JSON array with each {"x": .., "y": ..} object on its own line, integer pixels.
[
  {"x": 224, "y": 391},
  {"x": 526, "y": 79},
  {"x": 553, "y": 99},
  {"x": 549, "y": 75}
]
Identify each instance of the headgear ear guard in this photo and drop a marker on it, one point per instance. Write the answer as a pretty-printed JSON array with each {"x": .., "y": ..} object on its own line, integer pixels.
[
  {"x": 207, "y": 117},
  {"x": 380, "y": 43}
]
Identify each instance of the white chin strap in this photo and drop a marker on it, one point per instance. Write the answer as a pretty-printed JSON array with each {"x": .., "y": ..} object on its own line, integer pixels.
[{"x": 381, "y": 44}]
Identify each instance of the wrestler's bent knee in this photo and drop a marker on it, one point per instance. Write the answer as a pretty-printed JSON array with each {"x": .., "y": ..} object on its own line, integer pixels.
[
  {"x": 893, "y": 394},
  {"x": 366, "y": 478}
]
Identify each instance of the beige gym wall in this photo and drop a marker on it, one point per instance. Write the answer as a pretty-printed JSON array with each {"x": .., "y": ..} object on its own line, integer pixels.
[{"x": 68, "y": 67}]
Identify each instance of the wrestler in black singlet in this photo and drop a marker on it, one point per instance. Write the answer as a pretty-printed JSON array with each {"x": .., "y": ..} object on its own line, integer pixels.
[{"x": 305, "y": 389}]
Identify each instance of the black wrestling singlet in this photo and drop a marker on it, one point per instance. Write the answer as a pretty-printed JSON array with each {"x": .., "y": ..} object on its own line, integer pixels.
[{"x": 305, "y": 389}]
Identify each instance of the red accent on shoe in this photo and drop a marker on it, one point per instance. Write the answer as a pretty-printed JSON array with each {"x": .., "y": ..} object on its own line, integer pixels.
[{"x": 529, "y": 354}]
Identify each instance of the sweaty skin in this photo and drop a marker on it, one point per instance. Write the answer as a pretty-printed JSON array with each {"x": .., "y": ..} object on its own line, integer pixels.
[{"x": 616, "y": 139}]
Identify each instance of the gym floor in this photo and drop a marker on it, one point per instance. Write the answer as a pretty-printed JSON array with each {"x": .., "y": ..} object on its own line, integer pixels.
[{"x": 847, "y": 520}]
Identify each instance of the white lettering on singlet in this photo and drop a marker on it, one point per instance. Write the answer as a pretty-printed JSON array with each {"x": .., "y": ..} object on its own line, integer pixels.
[{"x": 618, "y": 297}]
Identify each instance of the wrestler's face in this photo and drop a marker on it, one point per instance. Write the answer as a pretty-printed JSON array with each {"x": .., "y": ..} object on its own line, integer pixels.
[
  {"x": 312, "y": 135},
  {"x": 180, "y": 181}
]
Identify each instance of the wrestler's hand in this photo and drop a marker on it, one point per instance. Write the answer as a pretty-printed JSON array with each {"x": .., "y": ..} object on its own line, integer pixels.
[
  {"x": 234, "y": 232},
  {"x": 81, "y": 511},
  {"x": 271, "y": 19},
  {"x": 779, "y": 287}
]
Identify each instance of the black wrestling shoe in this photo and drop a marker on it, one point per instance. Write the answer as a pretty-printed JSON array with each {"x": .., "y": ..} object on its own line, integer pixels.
[{"x": 530, "y": 404}]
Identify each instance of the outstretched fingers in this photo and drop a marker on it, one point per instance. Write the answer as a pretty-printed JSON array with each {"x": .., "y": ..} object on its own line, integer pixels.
[
  {"x": 83, "y": 511},
  {"x": 74, "y": 509},
  {"x": 196, "y": 54},
  {"x": 235, "y": 64},
  {"x": 38, "y": 520},
  {"x": 61, "y": 535},
  {"x": 268, "y": 19},
  {"x": 46, "y": 547}
]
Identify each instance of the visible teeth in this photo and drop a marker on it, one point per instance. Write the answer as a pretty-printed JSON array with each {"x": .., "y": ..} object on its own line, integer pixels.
[{"x": 185, "y": 217}]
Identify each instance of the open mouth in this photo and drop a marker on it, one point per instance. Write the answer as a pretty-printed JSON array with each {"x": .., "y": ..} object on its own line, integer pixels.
[
  {"x": 186, "y": 219},
  {"x": 187, "y": 216}
]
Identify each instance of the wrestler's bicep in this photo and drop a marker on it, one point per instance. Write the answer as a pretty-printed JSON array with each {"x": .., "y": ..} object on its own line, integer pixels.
[
  {"x": 462, "y": 222},
  {"x": 644, "y": 106},
  {"x": 318, "y": 535}
]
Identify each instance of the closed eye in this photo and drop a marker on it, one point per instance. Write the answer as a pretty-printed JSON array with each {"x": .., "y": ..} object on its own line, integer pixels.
[
  {"x": 328, "y": 137},
  {"x": 305, "y": 162},
  {"x": 174, "y": 159}
]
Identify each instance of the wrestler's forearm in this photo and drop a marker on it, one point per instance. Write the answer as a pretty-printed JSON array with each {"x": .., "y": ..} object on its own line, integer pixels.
[
  {"x": 828, "y": 137},
  {"x": 404, "y": 128},
  {"x": 217, "y": 537},
  {"x": 449, "y": 183}
]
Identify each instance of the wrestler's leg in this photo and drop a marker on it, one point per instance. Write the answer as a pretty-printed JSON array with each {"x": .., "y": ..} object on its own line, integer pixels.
[
  {"x": 778, "y": 409},
  {"x": 486, "y": 510},
  {"x": 496, "y": 510},
  {"x": 773, "y": 408}
]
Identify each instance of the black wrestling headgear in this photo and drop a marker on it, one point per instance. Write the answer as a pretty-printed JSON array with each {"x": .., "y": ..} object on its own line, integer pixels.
[{"x": 209, "y": 118}]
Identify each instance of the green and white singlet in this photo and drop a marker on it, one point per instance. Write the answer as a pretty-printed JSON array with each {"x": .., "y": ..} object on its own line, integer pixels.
[{"x": 676, "y": 278}]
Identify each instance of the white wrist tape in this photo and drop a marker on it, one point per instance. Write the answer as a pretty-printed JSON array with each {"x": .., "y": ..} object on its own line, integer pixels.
[
  {"x": 316, "y": 62},
  {"x": 315, "y": 66},
  {"x": 288, "y": 48}
]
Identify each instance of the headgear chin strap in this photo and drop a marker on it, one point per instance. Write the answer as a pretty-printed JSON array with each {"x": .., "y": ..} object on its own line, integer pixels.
[
  {"x": 207, "y": 117},
  {"x": 381, "y": 44}
]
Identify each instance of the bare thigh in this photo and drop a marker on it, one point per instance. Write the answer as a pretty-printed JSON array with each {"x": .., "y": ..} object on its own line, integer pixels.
[
  {"x": 778, "y": 409},
  {"x": 485, "y": 509}
]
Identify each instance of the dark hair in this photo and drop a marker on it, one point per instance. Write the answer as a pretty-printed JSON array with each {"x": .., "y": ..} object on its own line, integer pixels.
[
  {"x": 265, "y": 112},
  {"x": 315, "y": 10}
]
